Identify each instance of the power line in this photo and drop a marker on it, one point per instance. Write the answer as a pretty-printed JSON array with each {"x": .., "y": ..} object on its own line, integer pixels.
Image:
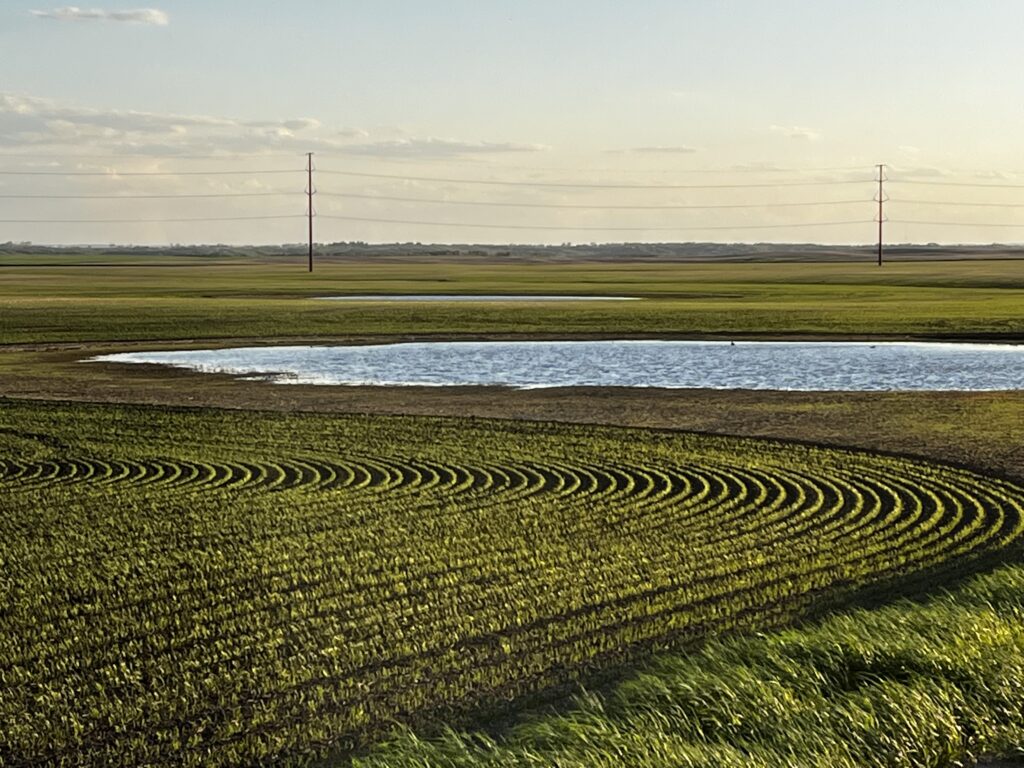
[
  {"x": 146, "y": 173},
  {"x": 583, "y": 185},
  {"x": 126, "y": 156},
  {"x": 310, "y": 213},
  {"x": 476, "y": 162},
  {"x": 589, "y": 229},
  {"x": 150, "y": 221},
  {"x": 472, "y": 161},
  {"x": 958, "y": 184},
  {"x": 977, "y": 172},
  {"x": 881, "y": 199},
  {"x": 390, "y": 198},
  {"x": 958, "y": 223},
  {"x": 958, "y": 203},
  {"x": 146, "y": 197}
]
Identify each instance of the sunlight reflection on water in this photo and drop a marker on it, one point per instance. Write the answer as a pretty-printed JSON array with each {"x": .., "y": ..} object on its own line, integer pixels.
[{"x": 806, "y": 366}]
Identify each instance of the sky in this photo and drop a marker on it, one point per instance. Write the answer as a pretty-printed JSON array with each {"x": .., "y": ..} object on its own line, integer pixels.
[{"x": 187, "y": 121}]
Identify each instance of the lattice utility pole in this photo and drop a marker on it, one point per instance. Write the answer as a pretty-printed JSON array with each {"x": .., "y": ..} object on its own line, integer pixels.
[
  {"x": 881, "y": 210},
  {"x": 309, "y": 204}
]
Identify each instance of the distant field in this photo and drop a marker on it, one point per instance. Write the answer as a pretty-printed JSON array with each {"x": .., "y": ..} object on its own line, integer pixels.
[{"x": 218, "y": 300}]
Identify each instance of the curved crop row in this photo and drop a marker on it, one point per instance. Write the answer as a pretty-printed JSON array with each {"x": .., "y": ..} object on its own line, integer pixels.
[{"x": 214, "y": 589}]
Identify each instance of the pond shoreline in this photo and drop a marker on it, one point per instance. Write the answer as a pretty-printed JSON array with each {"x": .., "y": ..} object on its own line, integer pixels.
[
  {"x": 783, "y": 365},
  {"x": 101, "y": 346},
  {"x": 485, "y": 298}
]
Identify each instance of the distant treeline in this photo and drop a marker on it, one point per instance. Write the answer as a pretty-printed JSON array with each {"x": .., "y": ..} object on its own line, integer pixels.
[{"x": 565, "y": 252}]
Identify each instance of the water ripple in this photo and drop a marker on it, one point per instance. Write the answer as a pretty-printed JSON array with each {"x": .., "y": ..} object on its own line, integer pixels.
[{"x": 798, "y": 366}]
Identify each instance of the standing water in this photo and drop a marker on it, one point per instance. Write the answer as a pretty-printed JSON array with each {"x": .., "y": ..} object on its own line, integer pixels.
[{"x": 804, "y": 366}]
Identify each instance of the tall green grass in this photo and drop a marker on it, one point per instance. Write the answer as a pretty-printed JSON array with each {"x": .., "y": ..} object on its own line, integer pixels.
[{"x": 935, "y": 684}]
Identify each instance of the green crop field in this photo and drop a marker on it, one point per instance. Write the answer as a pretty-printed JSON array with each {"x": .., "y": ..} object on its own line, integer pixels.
[
  {"x": 934, "y": 684},
  {"x": 220, "y": 588},
  {"x": 272, "y": 578},
  {"x": 223, "y": 300}
]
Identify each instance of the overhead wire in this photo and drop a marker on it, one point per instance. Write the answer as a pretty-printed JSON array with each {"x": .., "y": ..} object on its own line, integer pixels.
[
  {"x": 151, "y": 221},
  {"x": 128, "y": 156},
  {"x": 959, "y": 203},
  {"x": 586, "y": 185},
  {"x": 341, "y": 153},
  {"x": 532, "y": 183},
  {"x": 978, "y": 185},
  {"x": 490, "y": 165},
  {"x": 115, "y": 173},
  {"x": 548, "y": 227},
  {"x": 958, "y": 223},
  {"x": 145, "y": 197},
  {"x": 573, "y": 206}
]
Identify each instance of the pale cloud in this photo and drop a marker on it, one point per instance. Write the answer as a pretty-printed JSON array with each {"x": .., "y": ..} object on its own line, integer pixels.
[
  {"x": 659, "y": 150},
  {"x": 33, "y": 107},
  {"x": 764, "y": 166},
  {"x": 997, "y": 175},
  {"x": 33, "y": 121},
  {"x": 150, "y": 16},
  {"x": 301, "y": 124},
  {"x": 438, "y": 148},
  {"x": 921, "y": 171},
  {"x": 795, "y": 132},
  {"x": 839, "y": 174}
]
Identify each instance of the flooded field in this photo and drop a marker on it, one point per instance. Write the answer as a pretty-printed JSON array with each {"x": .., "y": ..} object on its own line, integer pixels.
[
  {"x": 418, "y": 297},
  {"x": 795, "y": 366}
]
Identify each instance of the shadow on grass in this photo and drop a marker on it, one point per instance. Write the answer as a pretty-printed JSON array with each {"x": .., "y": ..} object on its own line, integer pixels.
[{"x": 494, "y": 715}]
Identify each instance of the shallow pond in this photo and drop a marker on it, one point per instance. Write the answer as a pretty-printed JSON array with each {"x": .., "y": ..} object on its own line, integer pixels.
[
  {"x": 806, "y": 366},
  {"x": 468, "y": 297}
]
